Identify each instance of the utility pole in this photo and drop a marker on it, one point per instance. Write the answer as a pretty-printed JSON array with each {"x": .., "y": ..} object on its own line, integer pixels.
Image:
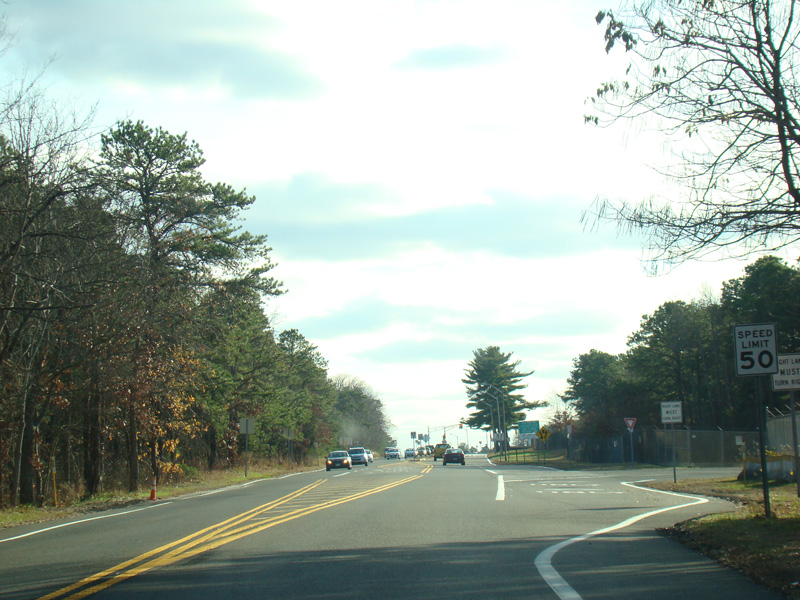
[{"x": 504, "y": 431}]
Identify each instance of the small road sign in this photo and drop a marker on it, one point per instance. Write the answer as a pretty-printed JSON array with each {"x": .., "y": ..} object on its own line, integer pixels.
[
  {"x": 756, "y": 348},
  {"x": 528, "y": 429},
  {"x": 671, "y": 412},
  {"x": 630, "y": 422},
  {"x": 543, "y": 434},
  {"x": 788, "y": 375}
]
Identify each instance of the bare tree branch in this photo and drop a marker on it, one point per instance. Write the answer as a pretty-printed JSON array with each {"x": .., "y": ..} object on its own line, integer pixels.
[{"x": 721, "y": 80}]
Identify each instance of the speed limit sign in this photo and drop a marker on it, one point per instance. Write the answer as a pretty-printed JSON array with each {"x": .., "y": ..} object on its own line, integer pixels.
[{"x": 756, "y": 348}]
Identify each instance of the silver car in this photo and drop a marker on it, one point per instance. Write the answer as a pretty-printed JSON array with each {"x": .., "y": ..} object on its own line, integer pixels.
[
  {"x": 359, "y": 456},
  {"x": 391, "y": 452}
]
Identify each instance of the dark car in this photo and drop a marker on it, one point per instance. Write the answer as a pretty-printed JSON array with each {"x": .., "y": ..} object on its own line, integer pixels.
[
  {"x": 358, "y": 456},
  {"x": 453, "y": 455},
  {"x": 338, "y": 459}
]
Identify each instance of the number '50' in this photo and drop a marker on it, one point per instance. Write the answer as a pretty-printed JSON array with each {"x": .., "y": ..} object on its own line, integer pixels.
[{"x": 764, "y": 358}]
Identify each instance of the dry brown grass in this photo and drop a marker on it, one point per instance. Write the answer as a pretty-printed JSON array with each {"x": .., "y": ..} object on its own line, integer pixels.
[
  {"x": 209, "y": 480},
  {"x": 767, "y": 550}
]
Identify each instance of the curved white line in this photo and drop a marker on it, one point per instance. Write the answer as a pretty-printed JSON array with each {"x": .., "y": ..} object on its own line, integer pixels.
[
  {"x": 552, "y": 577},
  {"x": 119, "y": 514}
]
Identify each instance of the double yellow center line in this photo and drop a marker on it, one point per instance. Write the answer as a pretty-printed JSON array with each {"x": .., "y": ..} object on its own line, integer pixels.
[{"x": 210, "y": 538}]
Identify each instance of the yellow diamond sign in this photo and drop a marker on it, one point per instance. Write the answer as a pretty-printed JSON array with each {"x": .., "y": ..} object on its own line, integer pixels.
[{"x": 543, "y": 434}]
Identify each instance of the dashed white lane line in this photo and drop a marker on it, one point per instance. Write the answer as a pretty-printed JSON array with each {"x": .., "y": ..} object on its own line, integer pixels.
[
  {"x": 501, "y": 485},
  {"x": 501, "y": 489},
  {"x": 544, "y": 561}
]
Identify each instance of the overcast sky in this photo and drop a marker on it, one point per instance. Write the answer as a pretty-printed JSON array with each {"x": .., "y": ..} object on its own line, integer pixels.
[{"x": 420, "y": 168}]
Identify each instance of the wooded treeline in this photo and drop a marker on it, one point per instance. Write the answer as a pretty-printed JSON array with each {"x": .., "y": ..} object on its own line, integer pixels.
[
  {"x": 133, "y": 336},
  {"x": 684, "y": 352}
]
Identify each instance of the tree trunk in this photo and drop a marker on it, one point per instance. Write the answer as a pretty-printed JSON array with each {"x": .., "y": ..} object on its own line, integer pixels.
[
  {"x": 93, "y": 465},
  {"x": 213, "y": 452},
  {"x": 27, "y": 459},
  {"x": 154, "y": 460},
  {"x": 133, "y": 451}
]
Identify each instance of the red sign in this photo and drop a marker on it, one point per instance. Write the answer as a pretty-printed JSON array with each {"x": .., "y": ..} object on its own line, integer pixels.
[{"x": 630, "y": 422}]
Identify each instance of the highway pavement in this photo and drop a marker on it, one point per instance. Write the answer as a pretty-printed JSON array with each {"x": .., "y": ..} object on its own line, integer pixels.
[{"x": 393, "y": 530}]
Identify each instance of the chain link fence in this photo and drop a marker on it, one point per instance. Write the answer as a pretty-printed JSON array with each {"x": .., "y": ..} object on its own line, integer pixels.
[
  {"x": 780, "y": 434},
  {"x": 692, "y": 447},
  {"x": 658, "y": 446}
]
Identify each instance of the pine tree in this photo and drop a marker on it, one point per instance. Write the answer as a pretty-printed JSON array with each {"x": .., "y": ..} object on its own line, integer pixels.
[{"x": 493, "y": 381}]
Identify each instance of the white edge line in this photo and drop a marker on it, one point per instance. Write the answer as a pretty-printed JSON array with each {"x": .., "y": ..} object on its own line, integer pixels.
[
  {"x": 544, "y": 560},
  {"x": 119, "y": 514},
  {"x": 127, "y": 512}
]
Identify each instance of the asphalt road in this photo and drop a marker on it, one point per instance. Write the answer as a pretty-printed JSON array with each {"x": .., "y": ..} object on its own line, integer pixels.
[{"x": 395, "y": 529}]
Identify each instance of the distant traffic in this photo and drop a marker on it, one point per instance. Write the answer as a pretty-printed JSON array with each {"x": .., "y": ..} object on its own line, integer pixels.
[{"x": 357, "y": 455}]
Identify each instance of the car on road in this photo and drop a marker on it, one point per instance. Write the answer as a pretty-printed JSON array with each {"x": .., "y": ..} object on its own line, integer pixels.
[
  {"x": 369, "y": 454},
  {"x": 453, "y": 455},
  {"x": 338, "y": 459},
  {"x": 439, "y": 450},
  {"x": 410, "y": 453},
  {"x": 391, "y": 452},
  {"x": 358, "y": 455}
]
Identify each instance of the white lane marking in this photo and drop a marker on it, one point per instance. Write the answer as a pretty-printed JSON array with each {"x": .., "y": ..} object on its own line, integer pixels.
[
  {"x": 552, "y": 577},
  {"x": 201, "y": 494},
  {"x": 576, "y": 492},
  {"x": 501, "y": 489},
  {"x": 119, "y": 514},
  {"x": 295, "y": 474}
]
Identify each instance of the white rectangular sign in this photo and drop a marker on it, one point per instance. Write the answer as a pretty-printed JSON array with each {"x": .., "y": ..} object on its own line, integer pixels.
[
  {"x": 671, "y": 412},
  {"x": 756, "y": 348},
  {"x": 788, "y": 375}
]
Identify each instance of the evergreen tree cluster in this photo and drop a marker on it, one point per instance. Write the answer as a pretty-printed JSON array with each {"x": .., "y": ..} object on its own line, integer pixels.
[
  {"x": 133, "y": 337},
  {"x": 685, "y": 352}
]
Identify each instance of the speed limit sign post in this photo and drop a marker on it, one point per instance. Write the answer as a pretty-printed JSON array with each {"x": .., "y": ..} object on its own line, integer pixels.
[{"x": 756, "y": 348}]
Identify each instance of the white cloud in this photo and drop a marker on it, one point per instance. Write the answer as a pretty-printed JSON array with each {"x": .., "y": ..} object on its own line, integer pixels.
[{"x": 420, "y": 167}]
